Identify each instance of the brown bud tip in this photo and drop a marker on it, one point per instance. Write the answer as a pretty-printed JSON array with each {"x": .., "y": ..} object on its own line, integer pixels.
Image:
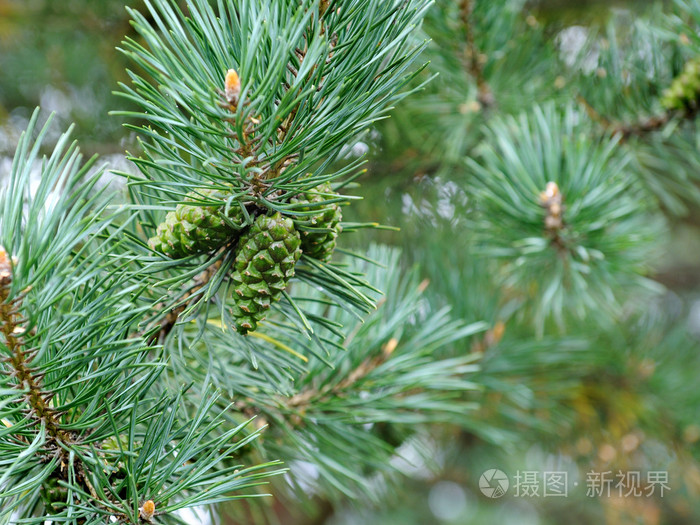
[
  {"x": 148, "y": 510},
  {"x": 5, "y": 268},
  {"x": 498, "y": 330},
  {"x": 551, "y": 192},
  {"x": 553, "y": 223},
  {"x": 423, "y": 285},
  {"x": 232, "y": 86},
  {"x": 390, "y": 346}
]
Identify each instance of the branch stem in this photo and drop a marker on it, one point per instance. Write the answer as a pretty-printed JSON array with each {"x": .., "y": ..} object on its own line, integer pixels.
[
  {"x": 19, "y": 359},
  {"x": 475, "y": 63}
]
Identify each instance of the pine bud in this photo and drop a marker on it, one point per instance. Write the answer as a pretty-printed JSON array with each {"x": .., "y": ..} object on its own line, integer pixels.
[
  {"x": 6, "y": 264},
  {"x": 232, "y": 87},
  {"x": 148, "y": 510},
  {"x": 5, "y": 269},
  {"x": 551, "y": 200}
]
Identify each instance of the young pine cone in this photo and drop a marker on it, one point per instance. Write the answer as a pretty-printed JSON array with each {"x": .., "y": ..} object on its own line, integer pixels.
[
  {"x": 265, "y": 259},
  {"x": 321, "y": 243},
  {"x": 192, "y": 229},
  {"x": 685, "y": 88}
]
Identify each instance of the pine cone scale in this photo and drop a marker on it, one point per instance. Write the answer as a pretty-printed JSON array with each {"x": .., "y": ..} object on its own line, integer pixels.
[
  {"x": 319, "y": 242},
  {"x": 191, "y": 228},
  {"x": 265, "y": 260}
]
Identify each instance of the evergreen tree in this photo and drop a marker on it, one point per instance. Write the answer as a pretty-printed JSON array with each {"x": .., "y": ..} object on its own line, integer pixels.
[{"x": 214, "y": 333}]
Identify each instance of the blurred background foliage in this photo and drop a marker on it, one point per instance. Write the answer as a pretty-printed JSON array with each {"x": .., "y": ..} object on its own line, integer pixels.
[{"x": 599, "y": 392}]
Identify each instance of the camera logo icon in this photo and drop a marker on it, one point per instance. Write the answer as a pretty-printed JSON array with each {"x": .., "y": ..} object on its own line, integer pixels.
[{"x": 493, "y": 483}]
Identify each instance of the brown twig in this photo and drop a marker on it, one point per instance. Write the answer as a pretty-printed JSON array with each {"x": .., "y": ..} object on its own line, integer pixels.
[
  {"x": 307, "y": 398},
  {"x": 28, "y": 379},
  {"x": 474, "y": 59},
  {"x": 491, "y": 338},
  {"x": 300, "y": 403},
  {"x": 593, "y": 114},
  {"x": 642, "y": 127},
  {"x": 633, "y": 129}
]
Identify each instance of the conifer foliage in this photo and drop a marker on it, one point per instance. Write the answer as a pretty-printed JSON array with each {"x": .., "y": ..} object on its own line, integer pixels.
[
  {"x": 548, "y": 183},
  {"x": 251, "y": 104},
  {"x": 213, "y": 334},
  {"x": 141, "y": 337}
]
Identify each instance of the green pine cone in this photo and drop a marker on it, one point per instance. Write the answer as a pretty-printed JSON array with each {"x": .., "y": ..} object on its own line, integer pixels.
[
  {"x": 684, "y": 91},
  {"x": 320, "y": 244},
  {"x": 265, "y": 259},
  {"x": 193, "y": 229}
]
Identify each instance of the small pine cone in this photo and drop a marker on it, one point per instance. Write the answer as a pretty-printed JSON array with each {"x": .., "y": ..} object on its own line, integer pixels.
[
  {"x": 265, "y": 259},
  {"x": 192, "y": 229},
  {"x": 320, "y": 244},
  {"x": 684, "y": 91}
]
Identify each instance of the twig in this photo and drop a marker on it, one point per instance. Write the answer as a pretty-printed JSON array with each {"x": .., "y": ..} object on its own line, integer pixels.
[
  {"x": 475, "y": 63},
  {"x": 593, "y": 114},
  {"x": 630, "y": 129},
  {"x": 299, "y": 403},
  {"x": 29, "y": 380},
  {"x": 19, "y": 359},
  {"x": 492, "y": 337},
  {"x": 643, "y": 126},
  {"x": 309, "y": 397}
]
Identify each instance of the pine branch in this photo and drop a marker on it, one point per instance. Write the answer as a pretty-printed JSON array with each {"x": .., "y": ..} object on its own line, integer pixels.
[
  {"x": 564, "y": 213},
  {"x": 264, "y": 137},
  {"x": 641, "y": 88},
  {"x": 302, "y": 401},
  {"x": 484, "y": 53},
  {"x": 28, "y": 379},
  {"x": 88, "y": 431},
  {"x": 629, "y": 129},
  {"x": 390, "y": 374}
]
